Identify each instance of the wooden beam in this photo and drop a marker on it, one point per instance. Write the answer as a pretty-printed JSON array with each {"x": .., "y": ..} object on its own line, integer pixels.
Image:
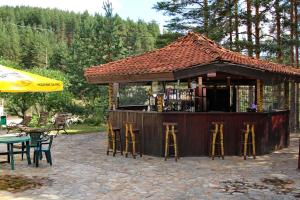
[
  {"x": 134, "y": 78},
  {"x": 116, "y": 95},
  {"x": 229, "y": 92},
  {"x": 195, "y": 71},
  {"x": 259, "y": 95},
  {"x": 252, "y": 73},
  {"x": 286, "y": 95},
  {"x": 110, "y": 96}
]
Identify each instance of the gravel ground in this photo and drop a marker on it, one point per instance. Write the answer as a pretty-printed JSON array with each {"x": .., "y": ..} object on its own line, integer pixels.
[{"x": 82, "y": 170}]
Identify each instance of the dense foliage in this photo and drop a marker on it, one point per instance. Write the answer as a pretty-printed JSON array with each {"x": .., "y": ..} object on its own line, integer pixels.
[
  {"x": 260, "y": 27},
  {"x": 61, "y": 45}
]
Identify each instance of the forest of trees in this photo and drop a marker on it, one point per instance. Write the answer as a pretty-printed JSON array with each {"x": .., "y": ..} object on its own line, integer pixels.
[
  {"x": 70, "y": 42},
  {"x": 47, "y": 40}
]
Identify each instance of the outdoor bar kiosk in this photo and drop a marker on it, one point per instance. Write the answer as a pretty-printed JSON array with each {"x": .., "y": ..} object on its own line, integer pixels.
[{"x": 195, "y": 82}]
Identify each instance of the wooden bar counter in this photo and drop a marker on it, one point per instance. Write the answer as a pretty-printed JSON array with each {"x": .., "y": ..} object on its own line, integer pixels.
[{"x": 271, "y": 131}]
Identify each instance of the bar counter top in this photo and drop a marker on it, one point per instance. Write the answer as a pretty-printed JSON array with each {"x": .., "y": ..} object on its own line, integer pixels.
[{"x": 204, "y": 113}]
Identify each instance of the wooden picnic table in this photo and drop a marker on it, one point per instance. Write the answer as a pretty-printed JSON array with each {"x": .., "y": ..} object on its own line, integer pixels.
[
  {"x": 28, "y": 130},
  {"x": 10, "y": 140}
]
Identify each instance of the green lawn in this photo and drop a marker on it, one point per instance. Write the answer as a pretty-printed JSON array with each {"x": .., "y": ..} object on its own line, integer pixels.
[{"x": 84, "y": 128}]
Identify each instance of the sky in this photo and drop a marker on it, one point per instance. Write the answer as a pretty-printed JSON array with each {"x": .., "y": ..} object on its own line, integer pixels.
[{"x": 134, "y": 9}]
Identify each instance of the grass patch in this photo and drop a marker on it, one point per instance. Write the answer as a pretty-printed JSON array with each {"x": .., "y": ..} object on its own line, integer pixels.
[{"x": 84, "y": 128}]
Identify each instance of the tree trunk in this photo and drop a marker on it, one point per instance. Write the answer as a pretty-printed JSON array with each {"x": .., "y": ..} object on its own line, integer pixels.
[
  {"x": 278, "y": 31},
  {"x": 250, "y": 46},
  {"x": 230, "y": 24},
  {"x": 206, "y": 16},
  {"x": 257, "y": 28},
  {"x": 249, "y": 29},
  {"x": 237, "y": 46},
  {"x": 236, "y": 24},
  {"x": 297, "y": 59},
  {"x": 292, "y": 58},
  {"x": 292, "y": 61}
]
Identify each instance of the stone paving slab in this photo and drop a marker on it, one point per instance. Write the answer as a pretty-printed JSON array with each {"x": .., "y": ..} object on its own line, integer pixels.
[{"x": 82, "y": 170}]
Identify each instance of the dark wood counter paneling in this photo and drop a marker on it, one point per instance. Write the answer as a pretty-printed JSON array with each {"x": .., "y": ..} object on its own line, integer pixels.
[
  {"x": 272, "y": 130},
  {"x": 299, "y": 156}
]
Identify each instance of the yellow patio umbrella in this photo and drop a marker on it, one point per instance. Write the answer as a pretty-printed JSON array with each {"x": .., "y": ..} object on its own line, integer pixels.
[{"x": 13, "y": 80}]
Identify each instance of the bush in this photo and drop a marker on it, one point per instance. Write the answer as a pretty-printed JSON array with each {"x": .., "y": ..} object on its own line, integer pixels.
[
  {"x": 96, "y": 110},
  {"x": 34, "y": 121}
]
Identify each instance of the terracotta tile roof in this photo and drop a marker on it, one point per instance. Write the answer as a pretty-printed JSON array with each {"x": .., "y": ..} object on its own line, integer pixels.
[{"x": 188, "y": 51}]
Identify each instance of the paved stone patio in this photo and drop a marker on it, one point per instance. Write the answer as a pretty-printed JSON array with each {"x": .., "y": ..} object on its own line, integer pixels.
[{"x": 81, "y": 170}]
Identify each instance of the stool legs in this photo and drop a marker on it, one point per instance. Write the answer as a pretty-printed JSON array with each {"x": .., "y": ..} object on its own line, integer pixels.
[
  {"x": 248, "y": 131},
  {"x": 121, "y": 145},
  {"x": 108, "y": 140},
  {"x": 175, "y": 145},
  {"x": 133, "y": 142},
  {"x": 174, "y": 137},
  {"x": 253, "y": 142},
  {"x": 218, "y": 129},
  {"x": 246, "y": 141},
  {"x": 167, "y": 143},
  {"x": 214, "y": 142},
  {"x": 112, "y": 138},
  {"x": 110, "y": 134},
  {"x": 131, "y": 138},
  {"x": 126, "y": 140},
  {"x": 222, "y": 141}
]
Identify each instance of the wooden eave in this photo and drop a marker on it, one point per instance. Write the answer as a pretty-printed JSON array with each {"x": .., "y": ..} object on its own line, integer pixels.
[
  {"x": 194, "y": 71},
  {"x": 236, "y": 69},
  {"x": 96, "y": 79}
]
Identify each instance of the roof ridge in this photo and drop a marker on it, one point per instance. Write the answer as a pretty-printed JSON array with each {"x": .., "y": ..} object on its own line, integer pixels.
[{"x": 208, "y": 46}]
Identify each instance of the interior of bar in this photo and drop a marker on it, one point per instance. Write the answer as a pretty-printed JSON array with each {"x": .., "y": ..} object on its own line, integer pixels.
[{"x": 211, "y": 92}]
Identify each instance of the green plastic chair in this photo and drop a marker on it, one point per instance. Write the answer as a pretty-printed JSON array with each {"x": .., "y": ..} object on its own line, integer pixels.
[{"x": 44, "y": 145}]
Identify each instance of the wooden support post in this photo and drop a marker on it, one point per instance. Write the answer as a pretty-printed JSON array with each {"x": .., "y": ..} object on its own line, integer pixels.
[
  {"x": 228, "y": 93},
  {"x": 113, "y": 89},
  {"x": 237, "y": 99},
  {"x": 292, "y": 108},
  {"x": 200, "y": 95},
  {"x": 259, "y": 95},
  {"x": 115, "y": 95},
  {"x": 110, "y": 96},
  {"x": 286, "y": 96}
]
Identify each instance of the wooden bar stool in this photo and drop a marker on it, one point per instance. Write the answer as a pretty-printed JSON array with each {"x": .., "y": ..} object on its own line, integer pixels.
[
  {"x": 246, "y": 143},
  {"x": 132, "y": 137},
  {"x": 171, "y": 129},
  {"x": 217, "y": 139},
  {"x": 113, "y": 137}
]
